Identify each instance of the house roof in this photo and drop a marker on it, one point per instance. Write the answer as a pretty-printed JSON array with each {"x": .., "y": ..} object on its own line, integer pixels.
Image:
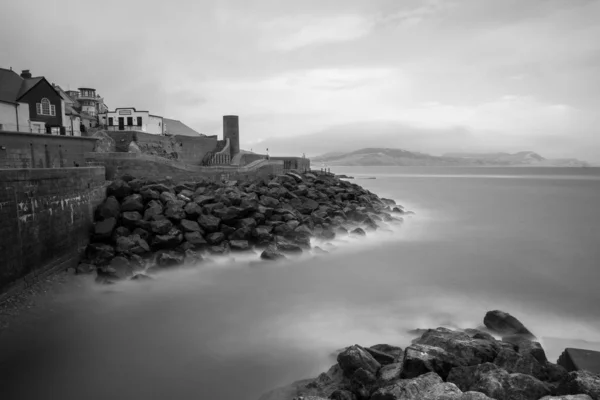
[
  {"x": 13, "y": 87},
  {"x": 10, "y": 85},
  {"x": 176, "y": 127},
  {"x": 69, "y": 110}
]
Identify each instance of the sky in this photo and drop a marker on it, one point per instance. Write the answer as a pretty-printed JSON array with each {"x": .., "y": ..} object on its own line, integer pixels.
[{"x": 425, "y": 75}]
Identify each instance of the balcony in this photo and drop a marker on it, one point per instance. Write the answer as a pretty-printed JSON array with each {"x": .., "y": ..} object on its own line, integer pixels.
[{"x": 94, "y": 98}]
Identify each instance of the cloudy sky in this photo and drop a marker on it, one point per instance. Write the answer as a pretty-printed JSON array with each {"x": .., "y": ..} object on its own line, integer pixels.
[{"x": 424, "y": 75}]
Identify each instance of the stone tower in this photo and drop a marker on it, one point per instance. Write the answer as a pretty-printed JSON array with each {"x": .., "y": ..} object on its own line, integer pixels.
[{"x": 231, "y": 131}]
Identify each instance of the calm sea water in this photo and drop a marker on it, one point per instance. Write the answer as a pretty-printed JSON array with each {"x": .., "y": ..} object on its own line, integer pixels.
[{"x": 523, "y": 240}]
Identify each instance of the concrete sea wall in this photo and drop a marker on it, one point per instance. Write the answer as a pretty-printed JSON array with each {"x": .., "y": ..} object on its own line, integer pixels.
[
  {"x": 153, "y": 167},
  {"x": 32, "y": 150},
  {"x": 46, "y": 216}
]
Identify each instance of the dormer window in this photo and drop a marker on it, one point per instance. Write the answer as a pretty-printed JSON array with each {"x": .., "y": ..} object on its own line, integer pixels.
[{"x": 45, "y": 108}]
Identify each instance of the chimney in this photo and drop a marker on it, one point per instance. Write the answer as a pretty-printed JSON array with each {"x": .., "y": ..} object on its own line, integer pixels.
[{"x": 26, "y": 74}]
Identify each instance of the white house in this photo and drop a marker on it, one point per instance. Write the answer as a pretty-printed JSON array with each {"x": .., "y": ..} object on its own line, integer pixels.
[{"x": 130, "y": 119}]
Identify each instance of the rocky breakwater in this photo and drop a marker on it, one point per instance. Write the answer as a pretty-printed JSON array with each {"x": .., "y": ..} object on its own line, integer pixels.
[
  {"x": 147, "y": 226},
  {"x": 501, "y": 360}
]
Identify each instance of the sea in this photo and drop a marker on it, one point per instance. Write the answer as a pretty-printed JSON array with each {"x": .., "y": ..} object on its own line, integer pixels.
[{"x": 523, "y": 240}]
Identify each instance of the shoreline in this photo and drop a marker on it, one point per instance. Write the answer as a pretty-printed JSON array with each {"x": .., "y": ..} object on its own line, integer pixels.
[{"x": 144, "y": 227}]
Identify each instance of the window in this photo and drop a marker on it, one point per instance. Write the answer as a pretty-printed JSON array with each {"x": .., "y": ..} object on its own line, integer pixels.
[
  {"x": 110, "y": 121},
  {"x": 129, "y": 121},
  {"x": 139, "y": 121},
  {"x": 45, "y": 108}
]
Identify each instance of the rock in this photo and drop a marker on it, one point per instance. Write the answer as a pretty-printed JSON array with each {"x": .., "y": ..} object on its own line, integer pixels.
[
  {"x": 246, "y": 223},
  {"x": 202, "y": 200},
  {"x": 161, "y": 227},
  {"x": 526, "y": 346},
  {"x": 408, "y": 389},
  {"x": 120, "y": 231},
  {"x": 421, "y": 359},
  {"x": 271, "y": 253},
  {"x": 268, "y": 201},
  {"x": 140, "y": 245},
  {"x": 192, "y": 210},
  {"x": 130, "y": 219},
  {"x": 505, "y": 324},
  {"x": 142, "y": 233},
  {"x": 215, "y": 238},
  {"x": 124, "y": 245},
  {"x": 228, "y": 214},
  {"x": 192, "y": 257},
  {"x": 170, "y": 259},
  {"x": 239, "y": 245},
  {"x": 499, "y": 384},
  {"x": 103, "y": 229},
  {"x": 473, "y": 351},
  {"x": 110, "y": 208},
  {"x": 169, "y": 240},
  {"x": 119, "y": 268},
  {"x": 167, "y": 196},
  {"x": 148, "y": 194},
  {"x": 84, "y": 269},
  {"x": 119, "y": 188},
  {"x": 220, "y": 249},
  {"x": 580, "y": 382},
  {"x": 99, "y": 254},
  {"x": 209, "y": 223},
  {"x": 137, "y": 262},
  {"x": 195, "y": 239},
  {"x": 190, "y": 226},
  {"x": 568, "y": 397},
  {"x": 241, "y": 234},
  {"x": 465, "y": 377},
  {"x": 153, "y": 208},
  {"x": 359, "y": 232},
  {"x": 362, "y": 383},
  {"x": 512, "y": 362},
  {"x": 342, "y": 395},
  {"x": 381, "y": 357},
  {"x": 355, "y": 357},
  {"x": 133, "y": 202},
  {"x": 174, "y": 210},
  {"x": 394, "y": 351},
  {"x": 286, "y": 246}
]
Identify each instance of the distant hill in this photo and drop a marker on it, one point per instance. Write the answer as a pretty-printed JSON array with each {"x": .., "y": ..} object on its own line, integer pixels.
[{"x": 385, "y": 156}]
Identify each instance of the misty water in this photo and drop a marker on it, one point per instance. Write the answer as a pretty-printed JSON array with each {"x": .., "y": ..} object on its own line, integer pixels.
[{"x": 523, "y": 240}]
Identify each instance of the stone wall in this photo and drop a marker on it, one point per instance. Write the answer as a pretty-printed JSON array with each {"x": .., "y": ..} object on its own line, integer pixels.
[
  {"x": 153, "y": 167},
  {"x": 188, "y": 149},
  {"x": 32, "y": 150},
  {"x": 46, "y": 215}
]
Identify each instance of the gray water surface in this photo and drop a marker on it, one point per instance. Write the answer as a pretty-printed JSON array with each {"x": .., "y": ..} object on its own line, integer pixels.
[{"x": 523, "y": 240}]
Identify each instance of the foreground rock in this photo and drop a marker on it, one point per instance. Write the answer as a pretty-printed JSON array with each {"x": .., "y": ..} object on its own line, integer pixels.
[
  {"x": 445, "y": 364},
  {"x": 160, "y": 222}
]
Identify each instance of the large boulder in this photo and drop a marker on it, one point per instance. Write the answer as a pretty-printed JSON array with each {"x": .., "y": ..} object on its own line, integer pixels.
[
  {"x": 133, "y": 202},
  {"x": 168, "y": 241},
  {"x": 228, "y": 214},
  {"x": 408, "y": 389},
  {"x": 99, "y": 253},
  {"x": 381, "y": 357},
  {"x": 394, "y": 351},
  {"x": 513, "y": 362},
  {"x": 355, "y": 357},
  {"x": 505, "y": 324},
  {"x": 192, "y": 210},
  {"x": 268, "y": 201},
  {"x": 174, "y": 209},
  {"x": 581, "y": 382},
  {"x": 239, "y": 245},
  {"x": 118, "y": 269},
  {"x": 170, "y": 259},
  {"x": 472, "y": 351},
  {"x": 110, "y": 208},
  {"x": 241, "y": 234},
  {"x": 465, "y": 377},
  {"x": 161, "y": 227},
  {"x": 190, "y": 226},
  {"x": 124, "y": 245},
  {"x": 130, "y": 219},
  {"x": 103, "y": 230},
  {"x": 153, "y": 209},
  {"x": 526, "y": 346},
  {"x": 272, "y": 254},
  {"x": 119, "y": 188},
  {"x": 568, "y": 397},
  {"x": 499, "y": 384},
  {"x": 195, "y": 239},
  {"x": 209, "y": 223},
  {"x": 421, "y": 359},
  {"x": 215, "y": 238}
]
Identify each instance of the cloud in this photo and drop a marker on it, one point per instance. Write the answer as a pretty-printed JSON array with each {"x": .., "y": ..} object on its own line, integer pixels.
[{"x": 291, "y": 33}]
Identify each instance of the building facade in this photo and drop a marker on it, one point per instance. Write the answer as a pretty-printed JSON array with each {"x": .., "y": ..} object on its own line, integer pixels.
[
  {"x": 30, "y": 104},
  {"x": 130, "y": 119}
]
